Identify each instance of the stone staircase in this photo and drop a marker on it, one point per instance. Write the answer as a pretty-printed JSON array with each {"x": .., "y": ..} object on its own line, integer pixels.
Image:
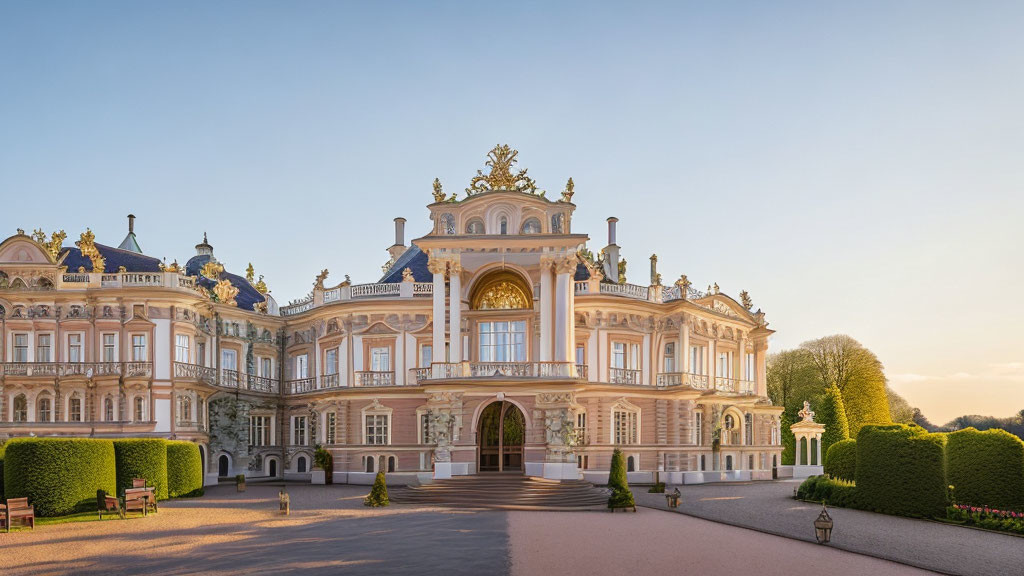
[{"x": 504, "y": 491}]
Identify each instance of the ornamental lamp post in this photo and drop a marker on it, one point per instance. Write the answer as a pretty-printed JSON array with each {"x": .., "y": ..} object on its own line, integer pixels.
[{"x": 823, "y": 526}]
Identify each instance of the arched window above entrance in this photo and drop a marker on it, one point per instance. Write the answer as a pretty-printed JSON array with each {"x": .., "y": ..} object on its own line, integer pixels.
[{"x": 501, "y": 290}]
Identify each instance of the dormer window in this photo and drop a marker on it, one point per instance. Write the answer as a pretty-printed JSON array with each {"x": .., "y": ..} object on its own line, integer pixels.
[
  {"x": 447, "y": 224},
  {"x": 475, "y": 226},
  {"x": 531, "y": 226},
  {"x": 503, "y": 226}
]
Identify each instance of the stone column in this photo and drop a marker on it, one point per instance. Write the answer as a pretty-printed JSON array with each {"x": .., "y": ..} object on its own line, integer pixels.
[
  {"x": 564, "y": 323},
  {"x": 712, "y": 362},
  {"x": 437, "y": 268},
  {"x": 455, "y": 307},
  {"x": 761, "y": 366},
  {"x": 546, "y": 320},
  {"x": 684, "y": 343}
]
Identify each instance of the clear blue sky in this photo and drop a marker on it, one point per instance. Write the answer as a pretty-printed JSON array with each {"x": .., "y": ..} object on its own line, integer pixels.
[{"x": 856, "y": 167}]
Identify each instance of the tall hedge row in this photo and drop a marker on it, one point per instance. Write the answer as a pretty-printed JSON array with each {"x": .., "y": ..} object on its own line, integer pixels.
[
  {"x": 2, "y": 448},
  {"x": 184, "y": 470},
  {"x": 841, "y": 460},
  {"x": 59, "y": 475},
  {"x": 986, "y": 468},
  {"x": 832, "y": 413},
  {"x": 901, "y": 470},
  {"x": 142, "y": 458}
]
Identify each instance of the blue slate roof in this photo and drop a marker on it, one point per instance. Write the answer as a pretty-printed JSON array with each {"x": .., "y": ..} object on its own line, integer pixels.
[
  {"x": 247, "y": 296},
  {"x": 413, "y": 258},
  {"x": 581, "y": 273},
  {"x": 114, "y": 259}
]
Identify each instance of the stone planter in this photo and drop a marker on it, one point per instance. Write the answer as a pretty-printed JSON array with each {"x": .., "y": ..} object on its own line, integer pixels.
[{"x": 318, "y": 476}]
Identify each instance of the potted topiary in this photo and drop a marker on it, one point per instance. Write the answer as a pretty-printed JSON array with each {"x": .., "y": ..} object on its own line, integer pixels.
[
  {"x": 240, "y": 482},
  {"x": 379, "y": 493},
  {"x": 621, "y": 496}
]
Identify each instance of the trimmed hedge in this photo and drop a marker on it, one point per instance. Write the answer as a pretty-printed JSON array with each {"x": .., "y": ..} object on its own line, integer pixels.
[
  {"x": 184, "y": 470},
  {"x": 2, "y": 448},
  {"x": 841, "y": 460},
  {"x": 142, "y": 458},
  {"x": 829, "y": 490},
  {"x": 59, "y": 475},
  {"x": 618, "y": 482},
  {"x": 832, "y": 413},
  {"x": 986, "y": 468},
  {"x": 901, "y": 470}
]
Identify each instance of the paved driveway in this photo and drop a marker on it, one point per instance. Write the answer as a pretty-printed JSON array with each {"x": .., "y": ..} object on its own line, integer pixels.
[{"x": 769, "y": 507}]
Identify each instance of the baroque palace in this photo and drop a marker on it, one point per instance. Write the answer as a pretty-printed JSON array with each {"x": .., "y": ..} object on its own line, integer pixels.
[{"x": 496, "y": 342}]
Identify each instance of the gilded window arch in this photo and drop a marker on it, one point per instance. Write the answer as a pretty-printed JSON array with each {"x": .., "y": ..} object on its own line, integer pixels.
[{"x": 501, "y": 290}]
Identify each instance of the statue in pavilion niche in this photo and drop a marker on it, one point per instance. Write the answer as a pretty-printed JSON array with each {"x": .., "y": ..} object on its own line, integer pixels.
[{"x": 806, "y": 414}]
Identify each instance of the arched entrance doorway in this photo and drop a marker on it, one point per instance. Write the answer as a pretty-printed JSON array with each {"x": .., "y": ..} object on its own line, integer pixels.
[
  {"x": 222, "y": 466},
  {"x": 273, "y": 468},
  {"x": 500, "y": 435}
]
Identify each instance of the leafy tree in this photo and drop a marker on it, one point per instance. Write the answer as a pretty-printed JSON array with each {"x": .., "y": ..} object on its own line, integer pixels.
[
  {"x": 832, "y": 414},
  {"x": 922, "y": 421},
  {"x": 788, "y": 440},
  {"x": 621, "y": 496},
  {"x": 792, "y": 377},
  {"x": 843, "y": 362}
]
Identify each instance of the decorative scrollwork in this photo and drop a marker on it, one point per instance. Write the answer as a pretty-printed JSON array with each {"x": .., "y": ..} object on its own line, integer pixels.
[
  {"x": 500, "y": 160},
  {"x": 87, "y": 244}
]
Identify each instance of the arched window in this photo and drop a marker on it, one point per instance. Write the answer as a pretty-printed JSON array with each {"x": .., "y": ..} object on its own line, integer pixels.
[
  {"x": 108, "y": 409},
  {"x": 556, "y": 223},
  {"x": 814, "y": 451},
  {"x": 748, "y": 428},
  {"x": 730, "y": 422},
  {"x": 75, "y": 408},
  {"x": 184, "y": 409},
  {"x": 503, "y": 225},
  {"x": 140, "y": 412},
  {"x": 20, "y": 408},
  {"x": 391, "y": 463},
  {"x": 369, "y": 463},
  {"x": 531, "y": 226},
  {"x": 475, "y": 226},
  {"x": 801, "y": 457},
  {"x": 44, "y": 411},
  {"x": 301, "y": 465},
  {"x": 728, "y": 462},
  {"x": 630, "y": 464},
  {"x": 447, "y": 224}
]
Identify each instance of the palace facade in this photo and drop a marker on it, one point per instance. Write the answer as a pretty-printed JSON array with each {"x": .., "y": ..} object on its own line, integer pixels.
[{"x": 496, "y": 342}]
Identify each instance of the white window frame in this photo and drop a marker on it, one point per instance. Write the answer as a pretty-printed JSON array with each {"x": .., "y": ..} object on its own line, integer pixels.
[
  {"x": 48, "y": 356},
  {"x": 72, "y": 416},
  {"x": 266, "y": 367},
  {"x": 698, "y": 428},
  {"x": 301, "y": 363},
  {"x": 668, "y": 362},
  {"x": 330, "y": 361},
  {"x": 497, "y": 345},
  {"x": 380, "y": 359},
  {"x": 225, "y": 355},
  {"x": 108, "y": 341},
  {"x": 426, "y": 355},
  {"x": 631, "y": 414},
  {"x": 300, "y": 430},
  {"x": 39, "y": 408},
  {"x": 24, "y": 347},
  {"x": 137, "y": 414},
  {"x": 261, "y": 430},
  {"x": 182, "y": 348},
  {"x": 140, "y": 349},
  {"x": 75, "y": 350}
]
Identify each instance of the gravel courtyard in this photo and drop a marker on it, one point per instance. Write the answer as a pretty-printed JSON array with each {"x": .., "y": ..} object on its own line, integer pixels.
[{"x": 331, "y": 532}]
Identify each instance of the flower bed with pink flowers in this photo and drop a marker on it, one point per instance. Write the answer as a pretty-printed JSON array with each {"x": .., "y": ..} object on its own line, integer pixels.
[{"x": 985, "y": 517}]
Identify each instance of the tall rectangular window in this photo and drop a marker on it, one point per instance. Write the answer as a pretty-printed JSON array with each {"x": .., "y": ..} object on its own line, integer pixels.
[
  {"x": 697, "y": 365},
  {"x": 181, "y": 348},
  {"x": 425, "y": 428},
  {"x": 201, "y": 354},
  {"x": 503, "y": 341},
  {"x": 330, "y": 420},
  {"x": 581, "y": 355},
  {"x": 110, "y": 347},
  {"x": 74, "y": 347},
  {"x": 581, "y": 428},
  {"x": 618, "y": 354},
  {"x": 698, "y": 428},
  {"x": 750, "y": 367},
  {"x": 229, "y": 359},
  {"x": 265, "y": 368},
  {"x": 670, "y": 357},
  {"x": 380, "y": 359},
  {"x": 624, "y": 427},
  {"x": 748, "y": 429},
  {"x": 43, "y": 349},
  {"x": 299, "y": 430},
  {"x": 724, "y": 368},
  {"x": 331, "y": 361},
  {"x": 139, "y": 348},
  {"x": 259, "y": 430},
  {"x": 75, "y": 410},
  {"x": 426, "y": 355},
  {"x": 377, "y": 429},
  {"x": 21, "y": 347},
  {"x": 301, "y": 366}
]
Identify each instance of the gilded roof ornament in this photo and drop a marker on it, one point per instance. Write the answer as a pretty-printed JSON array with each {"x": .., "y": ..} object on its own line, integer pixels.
[
  {"x": 568, "y": 192},
  {"x": 174, "y": 267},
  {"x": 745, "y": 300},
  {"x": 225, "y": 292},
  {"x": 261, "y": 286},
  {"x": 407, "y": 275},
  {"x": 622, "y": 271},
  {"x": 318, "y": 284},
  {"x": 87, "y": 244},
  {"x": 438, "y": 191},
  {"x": 250, "y": 273},
  {"x": 21, "y": 231},
  {"x": 53, "y": 245},
  {"x": 500, "y": 160},
  {"x": 212, "y": 270}
]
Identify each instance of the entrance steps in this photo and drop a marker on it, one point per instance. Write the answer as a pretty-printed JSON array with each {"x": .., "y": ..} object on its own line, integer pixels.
[{"x": 504, "y": 491}]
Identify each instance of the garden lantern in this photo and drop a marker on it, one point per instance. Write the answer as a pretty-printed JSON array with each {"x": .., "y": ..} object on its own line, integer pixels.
[
  {"x": 823, "y": 526},
  {"x": 285, "y": 501}
]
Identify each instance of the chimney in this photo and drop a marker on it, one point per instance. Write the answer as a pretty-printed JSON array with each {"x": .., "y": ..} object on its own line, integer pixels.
[
  {"x": 399, "y": 246},
  {"x": 611, "y": 252},
  {"x": 130, "y": 243},
  {"x": 131, "y": 223}
]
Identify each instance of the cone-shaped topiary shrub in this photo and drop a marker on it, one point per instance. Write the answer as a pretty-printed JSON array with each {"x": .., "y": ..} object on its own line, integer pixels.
[
  {"x": 325, "y": 460},
  {"x": 841, "y": 460},
  {"x": 379, "y": 493},
  {"x": 621, "y": 496}
]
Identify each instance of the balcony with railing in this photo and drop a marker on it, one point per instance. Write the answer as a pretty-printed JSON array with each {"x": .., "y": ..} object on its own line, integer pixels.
[
  {"x": 517, "y": 370},
  {"x": 375, "y": 378},
  {"x": 300, "y": 385},
  {"x": 385, "y": 290},
  {"x": 624, "y": 376},
  {"x": 697, "y": 381},
  {"x": 183, "y": 371},
  {"x": 330, "y": 381},
  {"x": 189, "y": 426},
  {"x": 71, "y": 369}
]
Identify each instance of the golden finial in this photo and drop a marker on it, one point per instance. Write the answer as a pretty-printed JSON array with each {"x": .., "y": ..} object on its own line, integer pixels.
[
  {"x": 250, "y": 274},
  {"x": 52, "y": 246},
  {"x": 261, "y": 286},
  {"x": 173, "y": 267},
  {"x": 438, "y": 191},
  {"x": 500, "y": 160},
  {"x": 407, "y": 275},
  {"x": 87, "y": 244},
  {"x": 622, "y": 271},
  {"x": 568, "y": 192},
  {"x": 121, "y": 269},
  {"x": 745, "y": 300},
  {"x": 21, "y": 231},
  {"x": 226, "y": 292},
  {"x": 39, "y": 236}
]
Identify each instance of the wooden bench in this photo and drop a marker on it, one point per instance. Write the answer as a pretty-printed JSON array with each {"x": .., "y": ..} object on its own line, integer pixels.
[
  {"x": 110, "y": 504},
  {"x": 139, "y": 499},
  {"x": 19, "y": 509},
  {"x": 138, "y": 482}
]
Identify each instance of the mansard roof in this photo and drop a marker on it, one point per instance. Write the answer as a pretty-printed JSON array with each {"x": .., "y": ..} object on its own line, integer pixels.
[
  {"x": 247, "y": 297},
  {"x": 414, "y": 259},
  {"x": 114, "y": 258}
]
